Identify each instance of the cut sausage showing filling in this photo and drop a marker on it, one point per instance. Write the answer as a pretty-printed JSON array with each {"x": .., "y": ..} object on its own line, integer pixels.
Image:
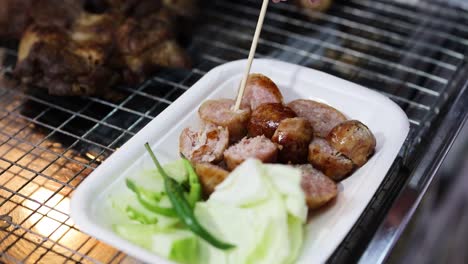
[
  {"x": 266, "y": 119},
  {"x": 221, "y": 113},
  {"x": 322, "y": 117},
  {"x": 260, "y": 90},
  {"x": 205, "y": 145},
  {"x": 210, "y": 176},
  {"x": 331, "y": 162},
  {"x": 258, "y": 147},
  {"x": 353, "y": 139},
  {"x": 318, "y": 188}
]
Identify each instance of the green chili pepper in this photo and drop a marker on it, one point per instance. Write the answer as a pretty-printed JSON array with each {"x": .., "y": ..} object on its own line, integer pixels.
[
  {"x": 182, "y": 207},
  {"x": 140, "y": 217},
  {"x": 195, "y": 187},
  {"x": 149, "y": 200}
]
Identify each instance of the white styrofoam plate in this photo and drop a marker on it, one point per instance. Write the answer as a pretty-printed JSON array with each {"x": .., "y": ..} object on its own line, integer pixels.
[{"x": 327, "y": 228}]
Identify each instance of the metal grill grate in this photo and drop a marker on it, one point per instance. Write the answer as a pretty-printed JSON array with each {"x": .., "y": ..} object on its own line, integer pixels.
[{"x": 48, "y": 145}]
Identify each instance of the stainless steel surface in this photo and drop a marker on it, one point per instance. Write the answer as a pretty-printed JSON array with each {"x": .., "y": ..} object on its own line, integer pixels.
[{"x": 415, "y": 54}]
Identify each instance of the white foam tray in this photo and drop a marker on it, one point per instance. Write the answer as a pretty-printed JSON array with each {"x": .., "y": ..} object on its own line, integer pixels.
[{"x": 326, "y": 228}]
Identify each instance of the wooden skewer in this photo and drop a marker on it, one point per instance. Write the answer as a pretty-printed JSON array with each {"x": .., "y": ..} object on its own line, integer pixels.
[{"x": 253, "y": 48}]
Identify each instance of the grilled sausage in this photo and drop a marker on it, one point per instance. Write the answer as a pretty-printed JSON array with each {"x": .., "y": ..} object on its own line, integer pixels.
[
  {"x": 331, "y": 162},
  {"x": 266, "y": 118},
  {"x": 205, "y": 145},
  {"x": 322, "y": 117},
  {"x": 260, "y": 90},
  {"x": 353, "y": 139},
  {"x": 294, "y": 136},
  {"x": 314, "y": 6},
  {"x": 258, "y": 147},
  {"x": 210, "y": 176},
  {"x": 318, "y": 188},
  {"x": 220, "y": 112}
]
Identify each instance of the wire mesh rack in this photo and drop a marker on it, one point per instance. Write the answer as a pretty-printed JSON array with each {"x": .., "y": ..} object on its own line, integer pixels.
[{"x": 48, "y": 145}]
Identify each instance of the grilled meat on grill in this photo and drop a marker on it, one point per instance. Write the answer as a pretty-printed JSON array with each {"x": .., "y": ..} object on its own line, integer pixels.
[
  {"x": 147, "y": 44},
  {"x": 68, "y": 62},
  {"x": 84, "y": 47},
  {"x": 13, "y": 18}
]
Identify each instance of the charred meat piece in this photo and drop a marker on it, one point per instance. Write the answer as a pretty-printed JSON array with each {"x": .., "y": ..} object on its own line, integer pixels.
[
  {"x": 139, "y": 8},
  {"x": 59, "y": 13},
  {"x": 146, "y": 44},
  {"x": 266, "y": 119},
  {"x": 322, "y": 117},
  {"x": 184, "y": 8},
  {"x": 353, "y": 139},
  {"x": 102, "y": 42},
  {"x": 205, "y": 145},
  {"x": 331, "y": 162},
  {"x": 318, "y": 188},
  {"x": 294, "y": 136},
  {"x": 258, "y": 147},
  {"x": 14, "y": 17},
  {"x": 210, "y": 176},
  {"x": 17, "y": 15},
  {"x": 260, "y": 90},
  {"x": 221, "y": 113},
  {"x": 47, "y": 57}
]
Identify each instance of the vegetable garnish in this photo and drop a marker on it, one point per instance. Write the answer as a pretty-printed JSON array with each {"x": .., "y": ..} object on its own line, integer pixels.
[
  {"x": 183, "y": 208},
  {"x": 149, "y": 200},
  {"x": 140, "y": 217},
  {"x": 195, "y": 187}
]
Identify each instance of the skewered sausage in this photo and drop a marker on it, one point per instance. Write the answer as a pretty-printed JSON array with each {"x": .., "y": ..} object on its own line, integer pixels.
[
  {"x": 331, "y": 162},
  {"x": 258, "y": 147},
  {"x": 220, "y": 112},
  {"x": 353, "y": 139},
  {"x": 266, "y": 118},
  {"x": 210, "y": 176},
  {"x": 205, "y": 145},
  {"x": 318, "y": 188},
  {"x": 294, "y": 136},
  {"x": 322, "y": 117},
  {"x": 260, "y": 90}
]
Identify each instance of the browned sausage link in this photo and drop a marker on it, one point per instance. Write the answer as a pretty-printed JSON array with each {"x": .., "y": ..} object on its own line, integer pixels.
[
  {"x": 325, "y": 158},
  {"x": 260, "y": 90},
  {"x": 205, "y": 145},
  {"x": 258, "y": 147},
  {"x": 210, "y": 176},
  {"x": 353, "y": 139},
  {"x": 294, "y": 136},
  {"x": 322, "y": 117},
  {"x": 318, "y": 188},
  {"x": 220, "y": 112},
  {"x": 311, "y": 7},
  {"x": 266, "y": 118}
]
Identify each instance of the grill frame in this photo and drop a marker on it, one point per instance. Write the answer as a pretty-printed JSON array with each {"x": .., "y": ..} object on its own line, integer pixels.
[{"x": 331, "y": 42}]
